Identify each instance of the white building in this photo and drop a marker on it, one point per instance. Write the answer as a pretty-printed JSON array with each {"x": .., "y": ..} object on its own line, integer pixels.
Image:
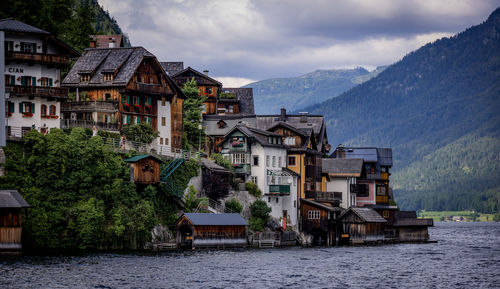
[
  {"x": 342, "y": 174},
  {"x": 33, "y": 62},
  {"x": 259, "y": 156}
]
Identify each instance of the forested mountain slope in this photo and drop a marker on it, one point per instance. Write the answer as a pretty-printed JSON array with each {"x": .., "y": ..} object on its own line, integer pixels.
[
  {"x": 295, "y": 93},
  {"x": 439, "y": 109}
]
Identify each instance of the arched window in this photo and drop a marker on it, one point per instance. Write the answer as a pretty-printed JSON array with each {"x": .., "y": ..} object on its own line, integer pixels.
[
  {"x": 52, "y": 109},
  {"x": 43, "y": 110}
]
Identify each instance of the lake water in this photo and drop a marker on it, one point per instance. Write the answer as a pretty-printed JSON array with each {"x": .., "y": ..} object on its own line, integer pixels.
[{"x": 467, "y": 255}]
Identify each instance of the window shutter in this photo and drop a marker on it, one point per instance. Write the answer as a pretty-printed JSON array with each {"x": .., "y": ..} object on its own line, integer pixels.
[
  {"x": 128, "y": 99},
  {"x": 128, "y": 118},
  {"x": 11, "y": 107},
  {"x": 149, "y": 100},
  {"x": 32, "y": 108},
  {"x": 13, "y": 79},
  {"x": 22, "y": 80},
  {"x": 50, "y": 81},
  {"x": 20, "y": 107},
  {"x": 33, "y": 81}
]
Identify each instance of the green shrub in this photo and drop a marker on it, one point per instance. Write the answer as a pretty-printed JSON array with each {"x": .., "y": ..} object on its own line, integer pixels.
[
  {"x": 259, "y": 209},
  {"x": 190, "y": 199},
  {"x": 253, "y": 189},
  {"x": 256, "y": 224},
  {"x": 142, "y": 132},
  {"x": 234, "y": 206},
  {"x": 221, "y": 161}
]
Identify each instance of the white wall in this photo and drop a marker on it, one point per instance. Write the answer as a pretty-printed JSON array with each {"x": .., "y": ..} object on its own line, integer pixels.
[
  {"x": 166, "y": 130},
  {"x": 342, "y": 185},
  {"x": 16, "y": 120}
]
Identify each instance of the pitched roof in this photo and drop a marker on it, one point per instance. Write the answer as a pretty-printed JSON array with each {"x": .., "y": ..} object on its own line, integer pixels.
[
  {"x": 186, "y": 74},
  {"x": 343, "y": 167},
  {"x": 13, "y": 25},
  {"x": 137, "y": 158},
  {"x": 211, "y": 165},
  {"x": 122, "y": 62},
  {"x": 172, "y": 68},
  {"x": 366, "y": 214},
  {"x": 12, "y": 199},
  {"x": 384, "y": 156},
  {"x": 208, "y": 219},
  {"x": 103, "y": 41},
  {"x": 321, "y": 205},
  {"x": 245, "y": 98},
  {"x": 261, "y": 136}
]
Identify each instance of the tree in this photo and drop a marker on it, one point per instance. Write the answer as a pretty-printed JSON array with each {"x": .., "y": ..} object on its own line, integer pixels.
[
  {"x": 234, "y": 206},
  {"x": 260, "y": 215},
  {"x": 192, "y": 115},
  {"x": 142, "y": 132},
  {"x": 216, "y": 185}
]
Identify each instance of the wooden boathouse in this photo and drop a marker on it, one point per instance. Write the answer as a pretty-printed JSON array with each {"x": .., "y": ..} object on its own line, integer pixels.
[
  {"x": 361, "y": 225},
  {"x": 206, "y": 230},
  {"x": 11, "y": 204}
]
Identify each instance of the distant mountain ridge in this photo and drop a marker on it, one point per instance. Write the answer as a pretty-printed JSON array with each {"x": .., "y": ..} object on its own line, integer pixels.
[
  {"x": 439, "y": 109},
  {"x": 295, "y": 93}
]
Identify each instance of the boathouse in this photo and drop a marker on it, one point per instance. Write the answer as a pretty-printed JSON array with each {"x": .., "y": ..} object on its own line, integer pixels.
[
  {"x": 144, "y": 169},
  {"x": 361, "y": 225},
  {"x": 206, "y": 230},
  {"x": 319, "y": 220},
  {"x": 411, "y": 229},
  {"x": 11, "y": 204}
]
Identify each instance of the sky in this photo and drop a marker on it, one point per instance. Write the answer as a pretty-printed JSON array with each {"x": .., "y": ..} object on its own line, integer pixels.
[{"x": 241, "y": 41}]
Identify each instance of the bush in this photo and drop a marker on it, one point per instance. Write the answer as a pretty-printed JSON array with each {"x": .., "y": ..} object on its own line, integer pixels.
[
  {"x": 190, "y": 200},
  {"x": 234, "y": 206},
  {"x": 221, "y": 161},
  {"x": 142, "y": 132},
  {"x": 255, "y": 224},
  {"x": 253, "y": 189},
  {"x": 259, "y": 209}
]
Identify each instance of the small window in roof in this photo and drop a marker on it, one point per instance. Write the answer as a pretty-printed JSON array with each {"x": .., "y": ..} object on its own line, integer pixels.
[
  {"x": 108, "y": 76},
  {"x": 85, "y": 77}
]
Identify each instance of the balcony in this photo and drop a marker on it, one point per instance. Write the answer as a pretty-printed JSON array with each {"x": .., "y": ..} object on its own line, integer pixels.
[
  {"x": 361, "y": 190},
  {"x": 61, "y": 60},
  {"x": 313, "y": 172},
  {"x": 382, "y": 199},
  {"x": 242, "y": 169},
  {"x": 375, "y": 176},
  {"x": 324, "y": 196},
  {"x": 69, "y": 123},
  {"x": 149, "y": 88},
  {"x": 40, "y": 91},
  {"x": 281, "y": 190},
  {"x": 90, "y": 106}
]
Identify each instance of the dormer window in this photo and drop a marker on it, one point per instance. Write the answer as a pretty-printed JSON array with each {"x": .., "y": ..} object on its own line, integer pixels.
[
  {"x": 108, "y": 77},
  {"x": 85, "y": 77},
  {"x": 221, "y": 124}
]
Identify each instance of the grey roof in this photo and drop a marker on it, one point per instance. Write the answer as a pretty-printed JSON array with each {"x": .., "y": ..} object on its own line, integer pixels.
[
  {"x": 343, "y": 167},
  {"x": 18, "y": 26},
  {"x": 172, "y": 68},
  {"x": 261, "y": 136},
  {"x": 212, "y": 129},
  {"x": 321, "y": 205},
  {"x": 207, "y": 219},
  {"x": 367, "y": 154},
  {"x": 122, "y": 62},
  {"x": 409, "y": 218},
  {"x": 211, "y": 165},
  {"x": 384, "y": 156},
  {"x": 245, "y": 98},
  {"x": 366, "y": 214},
  {"x": 137, "y": 158},
  {"x": 12, "y": 199},
  {"x": 186, "y": 74}
]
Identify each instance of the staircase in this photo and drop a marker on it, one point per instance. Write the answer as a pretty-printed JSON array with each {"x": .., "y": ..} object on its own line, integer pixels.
[
  {"x": 168, "y": 182},
  {"x": 213, "y": 206}
]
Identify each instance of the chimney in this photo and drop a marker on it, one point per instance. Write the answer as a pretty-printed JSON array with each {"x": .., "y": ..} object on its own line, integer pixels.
[
  {"x": 112, "y": 43},
  {"x": 283, "y": 114},
  {"x": 303, "y": 116},
  {"x": 92, "y": 43},
  {"x": 340, "y": 152},
  {"x": 205, "y": 72}
]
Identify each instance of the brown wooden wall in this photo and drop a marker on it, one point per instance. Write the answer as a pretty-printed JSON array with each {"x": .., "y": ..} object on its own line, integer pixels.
[
  {"x": 10, "y": 218},
  {"x": 209, "y": 107},
  {"x": 288, "y": 133},
  {"x": 146, "y": 171},
  {"x": 208, "y": 232},
  {"x": 413, "y": 234},
  {"x": 311, "y": 224},
  {"x": 176, "y": 119},
  {"x": 99, "y": 94},
  {"x": 10, "y": 234}
]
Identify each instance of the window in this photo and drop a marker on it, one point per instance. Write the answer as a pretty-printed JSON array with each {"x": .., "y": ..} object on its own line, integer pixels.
[
  {"x": 295, "y": 203},
  {"x": 268, "y": 199},
  {"x": 107, "y": 96},
  {"x": 208, "y": 90},
  {"x": 254, "y": 179},
  {"x": 45, "y": 81},
  {"x": 163, "y": 121},
  {"x": 52, "y": 109},
  {"x": 221, "y": 124},
  {"x": 108, "y": 77},
  {"x": 255, "y": 160},
  {"x": 279, "y": 140},
  {"x": 43, "y": 110},
  {"x": 274, "y": 161},
  {"x": 29, "y": 47},
  {"x": 161, "y": 141},
  {"x": 277, "y": 200},
  {"x": 279, "y": 162},
  {"x": 269, "y": 139},
  {"x": 267, "y": 161},
  {"x": 163, "y": 101},
  {"x": 230, "y": 109},
  {"x": 28, "y": 80},
  {"x": 85, "y": 77},
  {"x": 289, "y": 141},
  {"x": 11, "y": 108},
  {"x": 313, "y": 215},
  {"x": 27, "y": 108},
  {"x": 238, "y": 158},
  {"x": 9, "y": 45},
  {"x": 166, "y": 141},
  {"x": 385, "y": 214},
  {"x": 126, "y": 119}
]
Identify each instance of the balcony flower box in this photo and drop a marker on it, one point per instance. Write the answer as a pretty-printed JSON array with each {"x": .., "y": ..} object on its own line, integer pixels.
[
  {"x": 237, "y": 144},
  {"x": 237, "y": 166},
  {"x": 54, "y": 116},
  {"x": 45, "y": 116},
  {"x": 27, "y": 114}
]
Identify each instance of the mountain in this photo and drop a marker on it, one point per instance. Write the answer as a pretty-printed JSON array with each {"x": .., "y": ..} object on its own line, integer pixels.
[
  {"x": 439, "y": 109},
  {"x": 298, "y": 92}
]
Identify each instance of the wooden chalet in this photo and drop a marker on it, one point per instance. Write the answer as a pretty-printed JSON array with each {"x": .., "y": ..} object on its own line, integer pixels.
[
  {"x": 114, "y": 87},
  {"x": 205, "y": 230},
  {"x": 144, "y": 169},
  {"x": 319, "y": 220},
  {"x": 11, "y": 205},
  {"x": 361, "y": 225}
]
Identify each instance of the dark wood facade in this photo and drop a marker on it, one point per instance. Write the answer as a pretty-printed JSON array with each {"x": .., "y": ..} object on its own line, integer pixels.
[
  {"x": 319, "y": 220},
  {"x": 11, "y": 205},
  {"x": 144, "y": 169},
  {"x": 356, "y": 228}
]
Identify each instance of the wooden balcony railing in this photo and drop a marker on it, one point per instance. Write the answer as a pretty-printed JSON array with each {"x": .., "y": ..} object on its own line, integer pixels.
[
  {"x": 384, "y": 176},
  {"x": 324, "y": 196},
  {"x": 279, "y": 190},
  {"x": 37, "y": 57},
  {"x": 38, "y": 91},
  {"x": 69, "y": 123},
  {"x": 103, "y": 106},
  {"x": 382, "y": 199},
  {"x": 154, "y": 88}
]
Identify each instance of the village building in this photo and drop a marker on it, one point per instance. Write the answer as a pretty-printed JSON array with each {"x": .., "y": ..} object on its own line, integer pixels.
[
  {"x": 144, "y": 169},
  {"x": 206, "y": 230},
  {"x": 106, "y": 41},
  {"x": 320, "y": 221},
  {"x": 361, "y": 225},
  {"x": 114, "y": 87},
  {"x": 11, "y": 205},
  {"x": 260, "y": 157},
  {"x": 340, "y": 176},
  {"x": 33, "y": 62}
]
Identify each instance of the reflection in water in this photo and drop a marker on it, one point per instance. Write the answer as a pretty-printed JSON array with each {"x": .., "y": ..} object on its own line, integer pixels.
[{"x": 467, "y": 255}]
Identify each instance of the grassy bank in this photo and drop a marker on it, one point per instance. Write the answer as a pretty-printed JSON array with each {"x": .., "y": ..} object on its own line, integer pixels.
[{"x": 468, "y": 216}]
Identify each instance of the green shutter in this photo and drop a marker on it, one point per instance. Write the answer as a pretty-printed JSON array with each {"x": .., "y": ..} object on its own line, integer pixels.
[
  {"x": 33, "y": 81},
  {"x": 20, "y": 107},
  {"x": 124, "y": 98},
  {"x": 50, "y": 81},
  {"x": 22, "y": 80},
  {"x": 32, "y": 108},
  {"x": 149, "y": 100},
  {"x": 13, "y": 79},
  {"x": 128, "y": 118},
  {"x": 128, "y": 99}
]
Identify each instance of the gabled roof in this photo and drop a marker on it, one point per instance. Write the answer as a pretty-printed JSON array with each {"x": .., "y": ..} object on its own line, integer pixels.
[
  {"x": 122, "y": 62},
  {"x": 261, "y": 136},
  {"x": 366, "y": 214},
  {"x": 172, "y": 68},
  {"x": 208, "y": 219},
  {"x": 342, "y": 167},
  {"x": 12, "y": 199},
  {"x": 137, "y": 158},
  {"x": 321, "y": 205},
  {"x": 201, "y": 78},
  {"x": 290, "y": 127},
  {"x": 245, "y": 98},
  {"x": 211, "y": 165},
  {"x": 13, "y": 25}
]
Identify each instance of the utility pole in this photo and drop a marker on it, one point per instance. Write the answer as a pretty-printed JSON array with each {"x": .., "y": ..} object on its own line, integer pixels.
[{"x": 3, "y": 128}]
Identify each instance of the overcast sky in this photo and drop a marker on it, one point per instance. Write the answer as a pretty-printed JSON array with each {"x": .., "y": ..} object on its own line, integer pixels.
[{"x": 249, "y": 40}]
